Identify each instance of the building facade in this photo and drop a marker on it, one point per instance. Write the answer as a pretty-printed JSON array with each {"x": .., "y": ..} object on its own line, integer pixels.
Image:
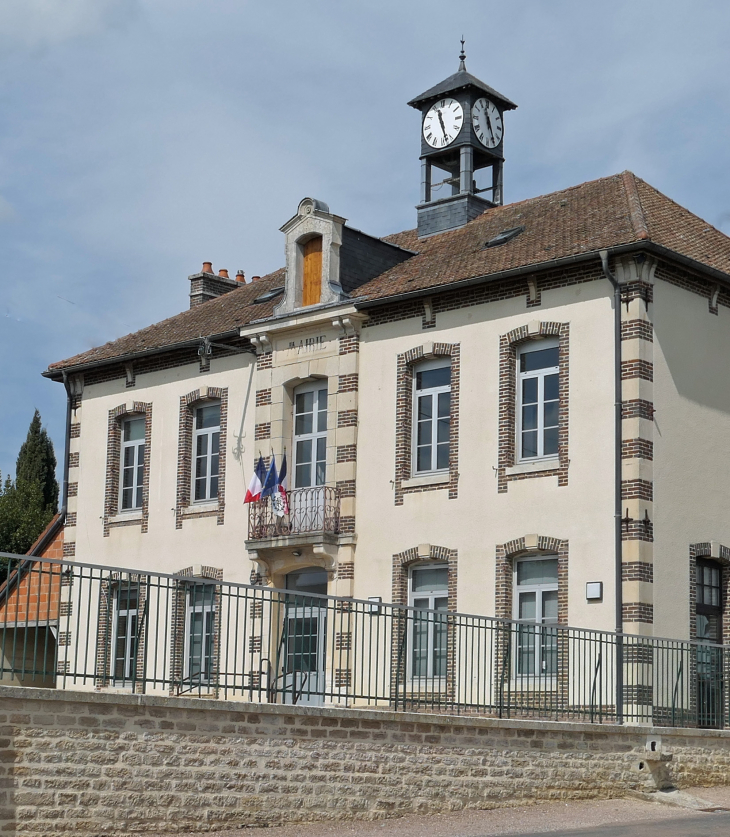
[{"x": 446, "y": 399}]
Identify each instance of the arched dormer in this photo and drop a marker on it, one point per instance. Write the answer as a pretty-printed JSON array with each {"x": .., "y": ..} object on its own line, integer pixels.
[{"x": 313, "y": 241}]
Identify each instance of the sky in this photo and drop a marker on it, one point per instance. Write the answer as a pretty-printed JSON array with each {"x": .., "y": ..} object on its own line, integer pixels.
[{"x": 140, "y": 138}]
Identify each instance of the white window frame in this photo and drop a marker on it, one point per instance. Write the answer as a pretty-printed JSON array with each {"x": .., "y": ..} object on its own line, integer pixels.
[
  {"x": 429, "y": 679},
  {"x": 539, "y": 590},
  {"x": 130, "y": 639},
  {"x": 138, "y": 447},
  {"x": 210, "y": 432},
  {"x": 315, "y": 387},
  {"x": 436, "y": 363},
  {"x": 206, "y": 608},
  {"x": 540, "y": 374}
]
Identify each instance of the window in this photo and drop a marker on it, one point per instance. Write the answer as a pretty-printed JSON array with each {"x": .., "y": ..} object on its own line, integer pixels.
[
  {"x": 535, "y": 606},
  {"x": 432, "y": 420},
  {"x": 310, "y": 435},
  {"x": 200, "y": 633},
  {"x": 206, "y": 451},
  {"x": 538, "y": 396},
  {"x": 312, "y": 271},
  {"x": 126, "y": 615},
  {"x": 708, "y": 598},
  {"x": 133, "y": 443},
  {"x": 428, "y": 591}
]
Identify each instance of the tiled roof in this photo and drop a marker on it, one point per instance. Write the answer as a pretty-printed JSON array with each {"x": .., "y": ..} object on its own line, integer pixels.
[
  {"x": 600, "y": 214},
  {"x": 223, "y": 315}
]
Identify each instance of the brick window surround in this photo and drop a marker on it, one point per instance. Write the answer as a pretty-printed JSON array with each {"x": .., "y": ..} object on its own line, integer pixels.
[
  {"x": 112, "y": 517},
  {"x": 184, "y": 507},
  {"x": 721, "y": 555},
  {"x": 183, "y": 580},
  {"x": 508, "y": 346},
  {"x": 529, "y": 546},
  {"x": 422, "y": 556},
  {"x": 404, "y": 419},
  {"x": 105, "y": 630}
]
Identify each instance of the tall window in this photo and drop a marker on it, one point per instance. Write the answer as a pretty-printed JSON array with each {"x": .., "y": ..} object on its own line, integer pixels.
[
  {"x": 432, "y": 419},
  {"x": 126, "y": 616},
  {"x": 133, "y": 430},
  {"x": 200, "y": 633},
  {"x": 312, "y": 271},
  {"x": 206, "y": 451},
  {"x": 708, "y": 591},
  {"x": 428, "y": 591},
  {"x": 310, "y": 435},
  {"x": 538, "y": 400},
  {"x": 536, "y": 607}
]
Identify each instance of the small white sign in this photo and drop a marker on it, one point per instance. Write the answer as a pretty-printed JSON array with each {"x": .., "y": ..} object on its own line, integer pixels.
[{"x": 594, "y": 591}]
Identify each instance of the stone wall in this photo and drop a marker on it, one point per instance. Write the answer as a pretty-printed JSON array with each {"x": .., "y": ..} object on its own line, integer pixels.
[{"x": 89, "y": 763}]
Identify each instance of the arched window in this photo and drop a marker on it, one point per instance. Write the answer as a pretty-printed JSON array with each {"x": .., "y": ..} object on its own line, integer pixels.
[
  {"x": 536, "y": 608},
  {"x": 206, "y": 451},
  {"x": 132, "y": 463},
  {"x": 538, "y": 399},
  {"x": 312, "y": 271}
]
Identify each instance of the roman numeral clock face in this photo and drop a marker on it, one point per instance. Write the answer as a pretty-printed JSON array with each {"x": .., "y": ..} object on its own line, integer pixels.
[
  {"x": 487, "y": 122},
  {"x": 443, "y": 122}
]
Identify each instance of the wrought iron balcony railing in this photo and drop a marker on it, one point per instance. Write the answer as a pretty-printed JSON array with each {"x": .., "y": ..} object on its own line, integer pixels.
[{"x": 315, "y": 509}]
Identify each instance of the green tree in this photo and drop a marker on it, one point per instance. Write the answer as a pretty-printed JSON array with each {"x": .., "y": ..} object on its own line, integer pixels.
[
  {"x": 37, "y": 464},
  {"x": 28, "y": 504}
]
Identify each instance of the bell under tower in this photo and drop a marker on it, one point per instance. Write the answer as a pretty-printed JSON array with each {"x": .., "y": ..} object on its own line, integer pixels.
[{"x": 462, "y": 143}]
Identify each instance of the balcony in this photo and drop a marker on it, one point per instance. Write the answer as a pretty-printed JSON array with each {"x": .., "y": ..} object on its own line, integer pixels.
[{"x": 314, "y": 511}]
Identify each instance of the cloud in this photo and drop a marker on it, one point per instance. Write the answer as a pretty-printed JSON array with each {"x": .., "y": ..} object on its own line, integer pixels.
[{"x": 36, "y": 24}]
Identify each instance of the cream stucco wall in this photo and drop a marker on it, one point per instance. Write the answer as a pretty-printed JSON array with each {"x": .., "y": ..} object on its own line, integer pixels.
[
  {"x": 473, "y": 524},
  {"x": 164, "y": 548},
  {"x": 691, "y": 443}
]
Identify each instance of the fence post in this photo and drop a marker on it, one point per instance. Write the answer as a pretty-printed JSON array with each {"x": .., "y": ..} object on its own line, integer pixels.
[{"x": 619, "y": 678}]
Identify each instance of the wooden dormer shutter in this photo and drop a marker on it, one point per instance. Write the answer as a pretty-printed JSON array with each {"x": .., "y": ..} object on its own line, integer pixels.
[{"x": 312, "y": 272}]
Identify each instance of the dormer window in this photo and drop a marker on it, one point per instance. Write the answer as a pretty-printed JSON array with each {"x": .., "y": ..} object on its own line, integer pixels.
[{"x": 312, "y": 271}]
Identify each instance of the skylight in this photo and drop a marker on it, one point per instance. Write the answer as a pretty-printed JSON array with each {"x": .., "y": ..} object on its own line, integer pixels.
[
  {"x": 274, "y": 292},
  {"x": 504, "y": 237}
]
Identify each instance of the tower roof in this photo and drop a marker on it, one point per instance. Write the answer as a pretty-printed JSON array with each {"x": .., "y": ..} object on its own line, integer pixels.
[{"x": 459, "y": 80}]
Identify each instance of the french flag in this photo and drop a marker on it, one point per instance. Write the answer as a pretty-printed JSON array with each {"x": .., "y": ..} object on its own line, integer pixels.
[
  {"x": 281, "y": 502},
  {"x": 257, "y": 482}
]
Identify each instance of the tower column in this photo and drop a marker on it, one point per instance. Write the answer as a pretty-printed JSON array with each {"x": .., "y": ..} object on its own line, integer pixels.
[
  {"x": 466, "y": 169},
  {"x": 425, "y": 181}
]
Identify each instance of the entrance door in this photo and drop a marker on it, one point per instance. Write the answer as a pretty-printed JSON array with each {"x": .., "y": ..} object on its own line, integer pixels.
[
  {"x": 310, "y": 457},
  {"x": 304, "y": 639}
]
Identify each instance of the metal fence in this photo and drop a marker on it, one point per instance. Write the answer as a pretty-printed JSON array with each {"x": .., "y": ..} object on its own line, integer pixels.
[{"x": 79, "y": 626}]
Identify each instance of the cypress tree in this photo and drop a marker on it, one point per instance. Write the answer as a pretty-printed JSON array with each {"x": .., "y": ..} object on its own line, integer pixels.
[
  {"x": 28, "y": 504},
  {"x": 37, "y": 464}
]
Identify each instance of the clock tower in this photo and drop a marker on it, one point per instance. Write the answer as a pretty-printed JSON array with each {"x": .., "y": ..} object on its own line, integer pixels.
[{"x": 462, "y": 140}]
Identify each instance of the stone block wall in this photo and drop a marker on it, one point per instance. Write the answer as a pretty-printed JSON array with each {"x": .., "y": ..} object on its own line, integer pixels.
[{"x": 89, "y": 763}]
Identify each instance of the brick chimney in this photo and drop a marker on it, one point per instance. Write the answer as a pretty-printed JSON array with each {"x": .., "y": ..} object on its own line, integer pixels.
[{"x": 206, "y": 285}]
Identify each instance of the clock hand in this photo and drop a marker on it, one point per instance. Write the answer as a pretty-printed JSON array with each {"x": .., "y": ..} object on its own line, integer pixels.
[
  {"x": 489, "y": 125},
  {"x": 441, "y": 120}
]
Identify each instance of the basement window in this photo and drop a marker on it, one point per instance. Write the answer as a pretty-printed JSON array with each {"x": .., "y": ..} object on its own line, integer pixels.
[
  {"x": 274, "y": 292},
  {"x": 504, "y": 237}
]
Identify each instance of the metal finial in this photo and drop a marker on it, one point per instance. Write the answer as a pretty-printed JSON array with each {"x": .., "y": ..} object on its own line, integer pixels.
[{"x": 462, "y": 56}]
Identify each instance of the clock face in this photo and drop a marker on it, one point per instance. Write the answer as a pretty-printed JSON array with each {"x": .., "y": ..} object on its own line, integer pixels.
[
  {"x": 487, "y": 122},
  {"x": 443, "y": 122}
]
